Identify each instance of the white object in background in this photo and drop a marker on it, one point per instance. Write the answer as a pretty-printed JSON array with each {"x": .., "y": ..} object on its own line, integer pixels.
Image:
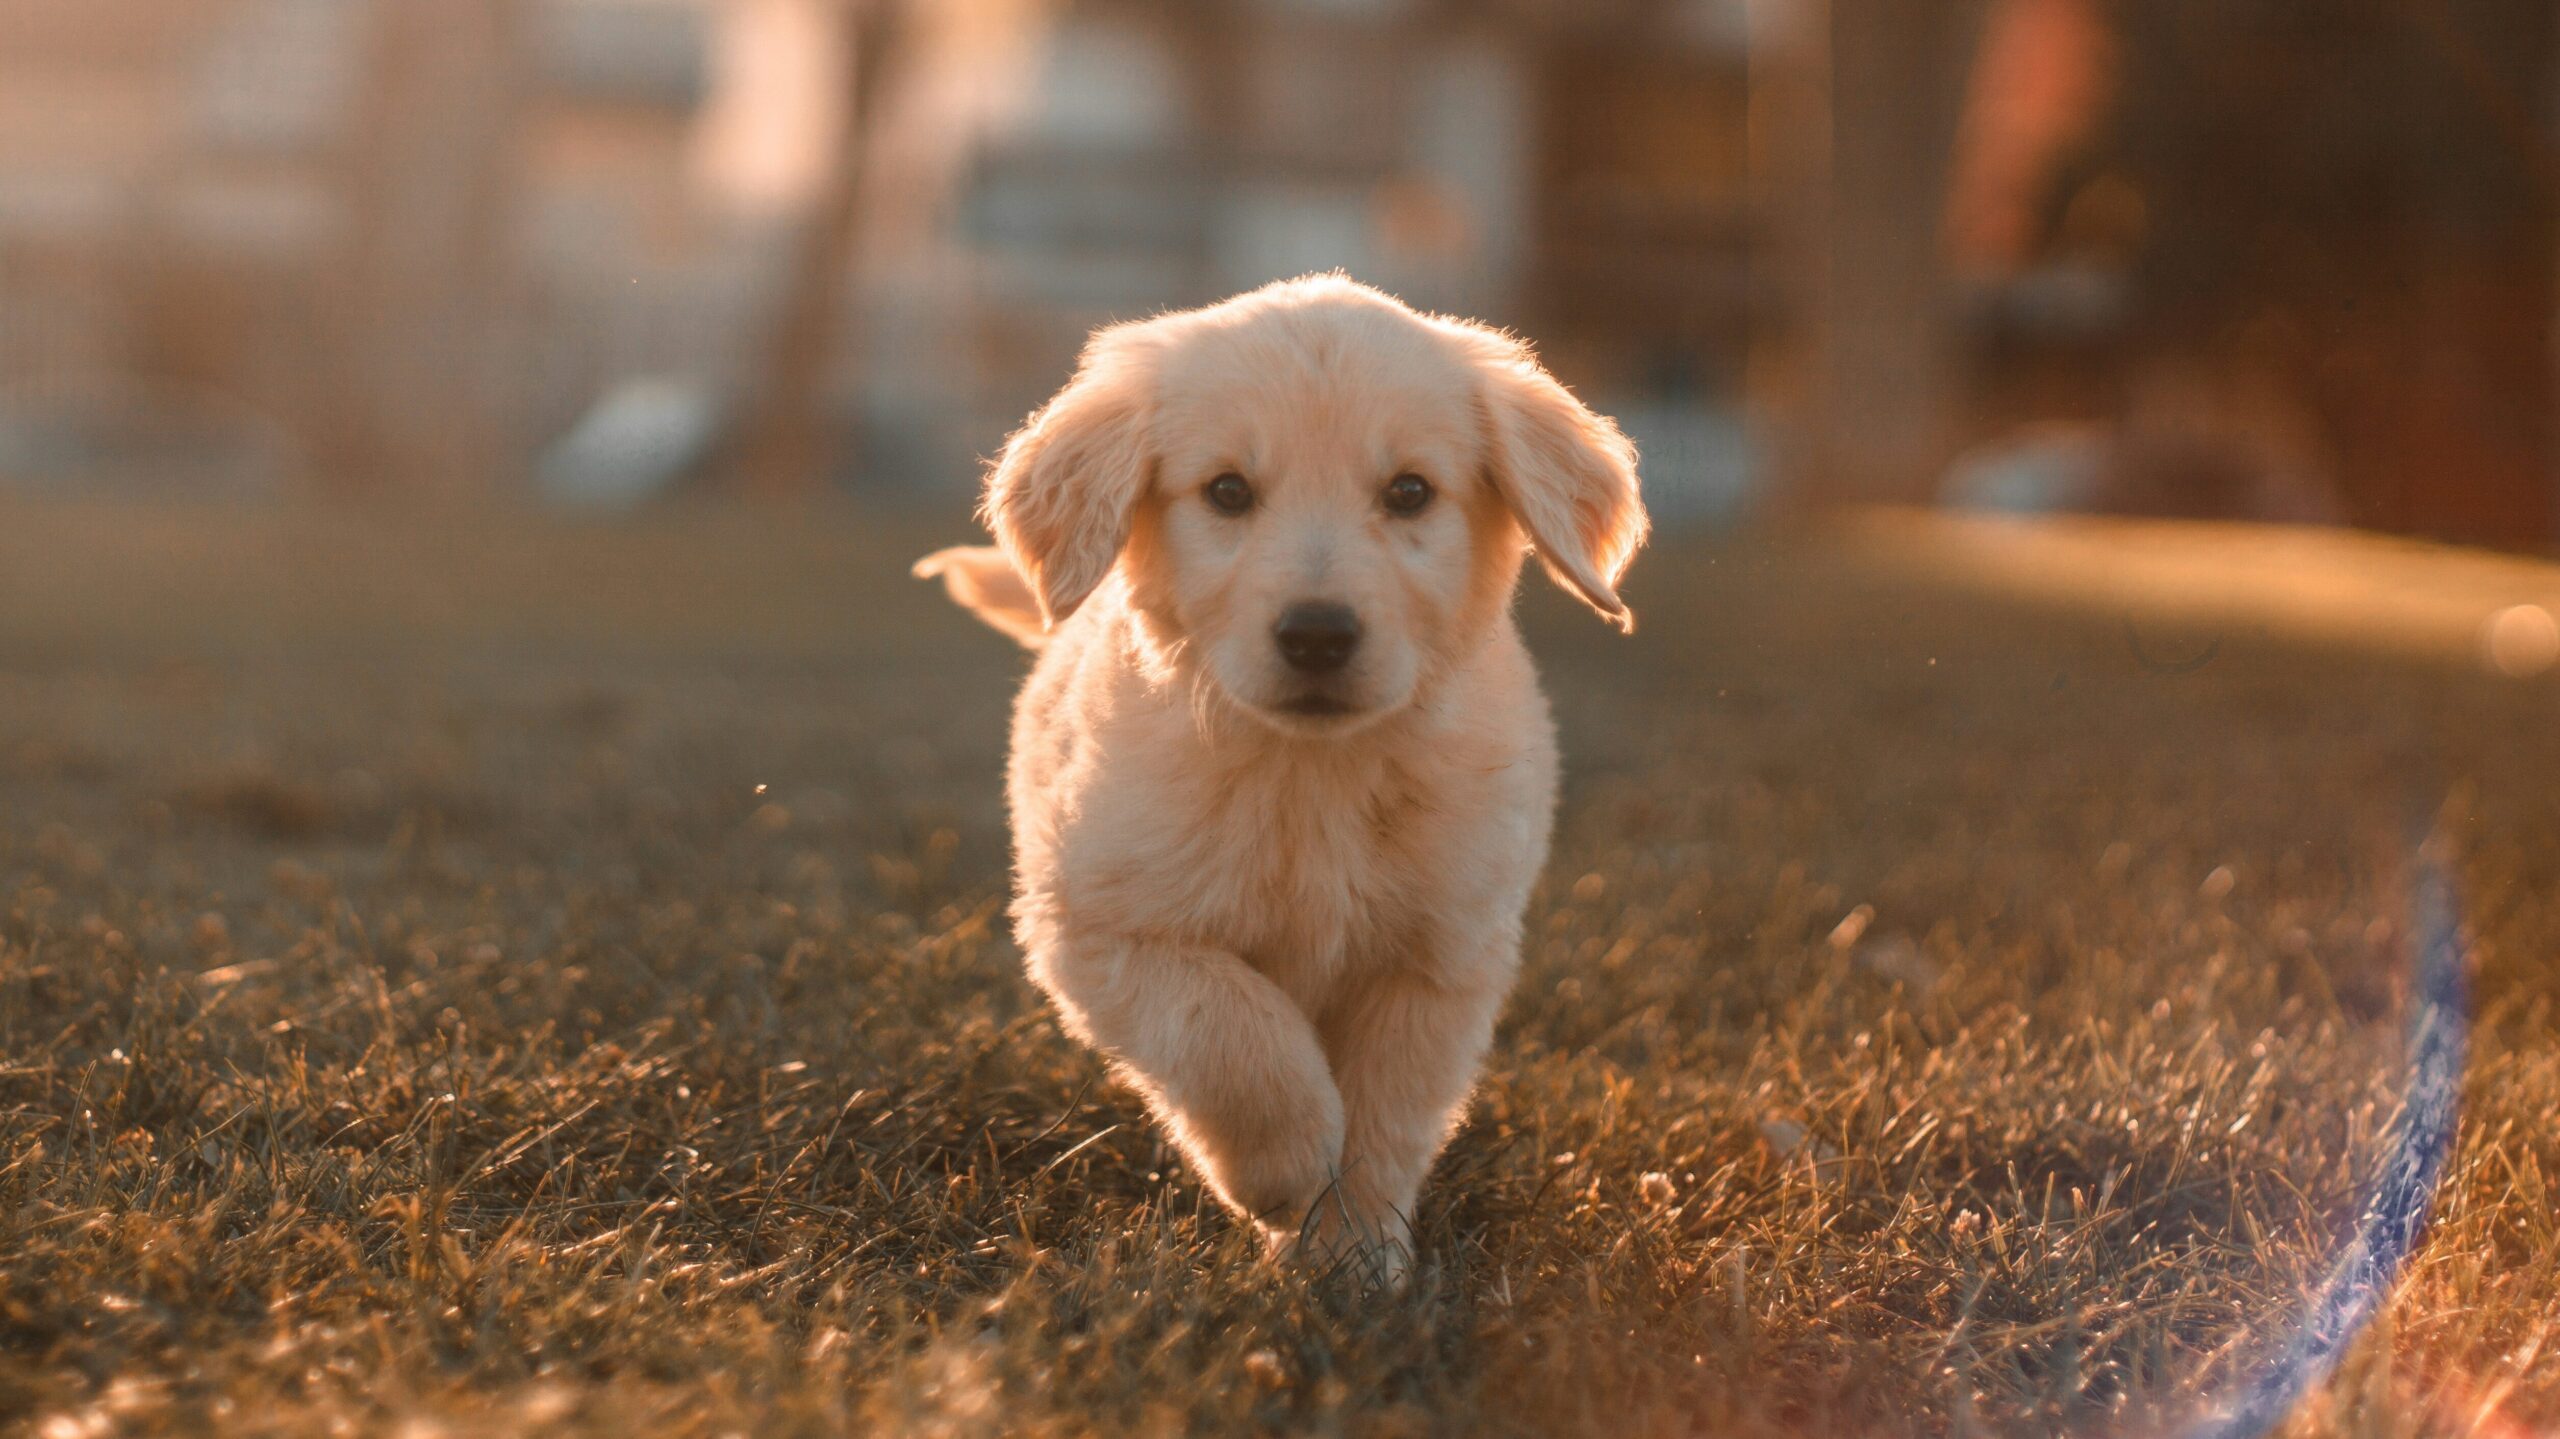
[
  {"x": 2038, "y": 470},
  {"x": 637, "y": 442}
]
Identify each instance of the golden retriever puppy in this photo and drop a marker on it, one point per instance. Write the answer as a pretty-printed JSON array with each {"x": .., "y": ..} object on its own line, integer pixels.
[{"x": 1282, "y": 776}]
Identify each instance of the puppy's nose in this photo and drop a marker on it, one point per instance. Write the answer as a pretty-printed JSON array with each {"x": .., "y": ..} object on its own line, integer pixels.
[{"x": 1317, "y": 638}]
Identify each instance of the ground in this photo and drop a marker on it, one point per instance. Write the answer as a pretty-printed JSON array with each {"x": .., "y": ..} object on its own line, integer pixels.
[{"x": 495, "y": 976}]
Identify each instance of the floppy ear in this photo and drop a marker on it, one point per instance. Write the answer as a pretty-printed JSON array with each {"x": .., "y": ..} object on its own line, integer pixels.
[
  {"x": 1569, "y": 477},
  {"x": 1061, "y": 497}
]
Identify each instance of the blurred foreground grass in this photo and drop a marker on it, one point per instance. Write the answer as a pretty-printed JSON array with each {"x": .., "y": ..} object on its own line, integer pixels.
[{"x": 509, "y": 978}]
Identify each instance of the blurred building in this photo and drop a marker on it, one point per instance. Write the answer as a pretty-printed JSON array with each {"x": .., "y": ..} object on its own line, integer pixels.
[
  {"x": 2035, "y": 250},
  {"x": 1576, "y": 171},
  {"x": 154, "y": 210},
  {"x": 409, "y": 245},
  {"x": 395, "y": 241}
]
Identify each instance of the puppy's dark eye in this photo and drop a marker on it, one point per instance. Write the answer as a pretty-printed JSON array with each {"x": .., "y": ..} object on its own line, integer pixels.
[
  {"x": 1407, "y": 494},
  {"x": 1230, "y": 494}
]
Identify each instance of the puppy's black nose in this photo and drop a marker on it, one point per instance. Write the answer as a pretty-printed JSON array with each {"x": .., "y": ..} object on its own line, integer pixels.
[{"x": 1317, "y": 638}]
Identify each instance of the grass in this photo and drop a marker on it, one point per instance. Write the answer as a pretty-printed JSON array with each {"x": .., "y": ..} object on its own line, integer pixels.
[{"x": 479, "y": 978}]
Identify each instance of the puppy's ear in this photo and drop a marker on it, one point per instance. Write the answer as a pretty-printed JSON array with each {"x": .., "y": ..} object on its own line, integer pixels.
[
  {"x": 1061, "y": 497},
  {"x": 1569, "y": 477}
]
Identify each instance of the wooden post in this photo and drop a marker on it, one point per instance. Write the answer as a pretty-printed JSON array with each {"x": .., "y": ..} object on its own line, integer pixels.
[
  {"x": 426, "y": 275},
  {"x": 789, "y": 441},
  {"x": 1856, "y": 129},
  {"x": 1788, "y": 148},
  {"x": 2551, "y": 340}
]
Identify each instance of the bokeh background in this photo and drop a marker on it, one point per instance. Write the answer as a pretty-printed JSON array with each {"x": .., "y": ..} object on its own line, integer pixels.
[
  {"x": 2288, "y": 259},
  {"x": 502, "y": 872}
]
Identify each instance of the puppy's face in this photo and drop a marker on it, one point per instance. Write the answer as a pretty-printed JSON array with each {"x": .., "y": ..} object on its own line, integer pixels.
[
  {"x": 1319, "y": 531},
  {"x": 1319, "y": 498}
]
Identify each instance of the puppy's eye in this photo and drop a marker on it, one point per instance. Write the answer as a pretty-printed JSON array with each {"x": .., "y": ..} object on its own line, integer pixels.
[
  {"x": 1230, "y": 494},
  {"x": 1406, "y": 495}
]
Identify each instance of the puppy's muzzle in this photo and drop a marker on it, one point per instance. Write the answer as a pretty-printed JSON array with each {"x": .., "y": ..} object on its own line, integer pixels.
[{"x": 1317, "y": 638}]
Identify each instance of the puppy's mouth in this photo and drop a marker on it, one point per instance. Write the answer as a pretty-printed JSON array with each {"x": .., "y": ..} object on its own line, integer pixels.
[
  {"x": 1315, "y": 704},
  {"x": 1315, "y": 714}
]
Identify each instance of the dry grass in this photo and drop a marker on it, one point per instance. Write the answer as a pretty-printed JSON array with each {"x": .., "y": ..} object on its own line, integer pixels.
[{"x": 1945, "y": 1012}]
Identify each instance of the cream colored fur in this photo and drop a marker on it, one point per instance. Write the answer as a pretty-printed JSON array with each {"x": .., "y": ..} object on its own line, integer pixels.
[{"x": 1291, "y": 931}]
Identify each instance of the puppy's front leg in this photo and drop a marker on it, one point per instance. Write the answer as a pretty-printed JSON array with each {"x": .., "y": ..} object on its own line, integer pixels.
[
  {"x": 1405, "y": 1047},
  {"x": 1224, "y": 1059}
]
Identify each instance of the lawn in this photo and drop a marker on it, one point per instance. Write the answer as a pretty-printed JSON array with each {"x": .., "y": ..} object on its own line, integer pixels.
[{"x": 504, "y": 977}]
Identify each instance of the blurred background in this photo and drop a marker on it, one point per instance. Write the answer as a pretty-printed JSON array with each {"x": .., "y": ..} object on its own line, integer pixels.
[
  {"x": 2283, "y": 259},
  {"x": 468, "y": 737}
]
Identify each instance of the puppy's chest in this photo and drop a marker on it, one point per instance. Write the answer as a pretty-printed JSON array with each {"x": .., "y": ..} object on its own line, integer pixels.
[{"x": 1300, "y": 873}]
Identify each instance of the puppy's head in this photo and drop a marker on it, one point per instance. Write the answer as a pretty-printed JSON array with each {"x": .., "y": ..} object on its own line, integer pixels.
[{"x": 1316, "y": 496}]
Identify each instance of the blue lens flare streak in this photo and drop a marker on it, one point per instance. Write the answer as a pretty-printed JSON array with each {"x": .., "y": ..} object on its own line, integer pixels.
[{"x": 2394, "y": 1215}]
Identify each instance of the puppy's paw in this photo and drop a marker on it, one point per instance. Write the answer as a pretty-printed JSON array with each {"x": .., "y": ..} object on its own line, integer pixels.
[
  {"x": 1372, "y": 1251},
  {"x": 1266, "y": 1136},
  {"x": 1280, "y": 1174}
]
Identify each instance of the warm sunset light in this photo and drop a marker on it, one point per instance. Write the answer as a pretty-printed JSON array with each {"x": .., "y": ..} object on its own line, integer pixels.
[{"x": 1506, "y": 720}]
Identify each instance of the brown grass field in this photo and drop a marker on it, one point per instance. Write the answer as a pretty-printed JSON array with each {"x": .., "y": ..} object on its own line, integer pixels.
[{"x": 517, "y": 978}]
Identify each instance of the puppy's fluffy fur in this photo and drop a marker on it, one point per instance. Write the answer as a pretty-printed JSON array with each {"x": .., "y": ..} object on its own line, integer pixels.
[{"x": 1288, "y": 902}]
